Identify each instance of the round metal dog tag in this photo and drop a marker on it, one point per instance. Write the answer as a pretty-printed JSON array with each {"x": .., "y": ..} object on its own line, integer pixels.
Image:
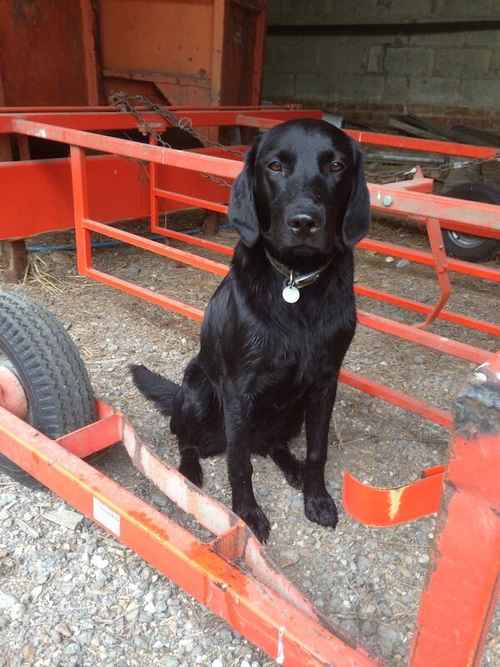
[{"x": 290, "y": 294}]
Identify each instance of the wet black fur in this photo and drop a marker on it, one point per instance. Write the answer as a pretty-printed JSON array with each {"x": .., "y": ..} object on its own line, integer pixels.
[{"x": 266, "y": 366}]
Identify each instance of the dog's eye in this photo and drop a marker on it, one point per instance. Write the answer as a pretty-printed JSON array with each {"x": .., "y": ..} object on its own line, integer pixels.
[
  {"x": 335, "y": 166},
  {"x": 275, "y": 166}
]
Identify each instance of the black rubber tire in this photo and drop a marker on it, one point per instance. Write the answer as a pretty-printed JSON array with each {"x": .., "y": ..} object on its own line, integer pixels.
[
  {"x": 485, "y": 248},
  {"x": 49, "y": 366}
]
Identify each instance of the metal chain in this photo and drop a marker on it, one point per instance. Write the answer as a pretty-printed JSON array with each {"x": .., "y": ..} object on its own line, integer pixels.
[
  {"x": 130, "y": 103},
  {"x": 137, "y": 105}
]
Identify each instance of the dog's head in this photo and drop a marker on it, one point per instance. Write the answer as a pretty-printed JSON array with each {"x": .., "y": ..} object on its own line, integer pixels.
[{"x": 302, "y": 190}]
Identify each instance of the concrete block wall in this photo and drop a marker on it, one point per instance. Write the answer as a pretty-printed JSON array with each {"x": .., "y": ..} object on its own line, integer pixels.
[{"x": 404, "y": 71}]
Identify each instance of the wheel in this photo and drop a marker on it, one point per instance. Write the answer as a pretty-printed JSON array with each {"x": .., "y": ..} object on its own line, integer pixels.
[
  {"x": 36, "y": 347},
  {"x": 465, "y": 246}
]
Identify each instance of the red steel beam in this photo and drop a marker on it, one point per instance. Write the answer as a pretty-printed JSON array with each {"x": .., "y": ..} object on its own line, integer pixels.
[
  {"x": 132, "y": 149},
  {"x": 382, "y": 247},
  {"x": 253, "y": 121},
  {"x": 189, "y": 200},
  {"x": 90, "y": 110},
  {"x": 50, "y": 183},
  {"x": 397, "y": 398},
  {"x": 424, "y": 338},
  {"x": 177, "y": 255},
  {"x": 463, "y": 583},
  {"x": 463, "y": 586},
  {"x": 458, "y": 214},
  {"x": 285, "y": 632},
  {"x": 95, "y": 117},
  {"x": 390, "y": 140},
  {"x": 427, "y": 145},
  {"x": 425, "y": 258},
  {"x": 118, "y": 190},
  {"x": 145, "y": 294},
  {"x": 434, "y": 342},
  {"x": 83, "y": 238},
  {"x": 362, "y": 290},
  {"x": 118, "y": 120},
  {"x": 193, "y": 240},
  {"x": 471, "y": 217},
  {"x": 424, "y": 309}
]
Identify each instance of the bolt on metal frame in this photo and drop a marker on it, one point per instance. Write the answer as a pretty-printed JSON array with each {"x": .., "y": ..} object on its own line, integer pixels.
[{"x": 287, "y": 627}]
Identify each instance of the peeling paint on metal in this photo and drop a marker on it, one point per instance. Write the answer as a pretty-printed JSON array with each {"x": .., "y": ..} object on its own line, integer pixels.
[
  {"x": 485, "y": 365},
  {"x": 395, "y": 496},
  {"x": 280, "y": 653}
]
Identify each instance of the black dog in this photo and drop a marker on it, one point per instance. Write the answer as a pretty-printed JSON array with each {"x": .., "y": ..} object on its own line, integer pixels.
[{"x": 278, "y": 326}]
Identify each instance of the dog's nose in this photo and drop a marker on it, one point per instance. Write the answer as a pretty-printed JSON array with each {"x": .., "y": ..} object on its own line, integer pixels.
[{"x": 303, "y": 223}]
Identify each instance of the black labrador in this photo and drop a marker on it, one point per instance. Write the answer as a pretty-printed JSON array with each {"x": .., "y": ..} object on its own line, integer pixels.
[{"x": 278, "y": 326}]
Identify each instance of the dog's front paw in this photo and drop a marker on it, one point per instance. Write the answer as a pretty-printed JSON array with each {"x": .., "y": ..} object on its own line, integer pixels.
[
  {"x": 321, "y": 509},
  {"x": 257, "y": 521}
]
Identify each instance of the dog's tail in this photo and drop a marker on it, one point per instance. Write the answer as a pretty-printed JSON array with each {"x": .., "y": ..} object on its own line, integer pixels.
[{"x": 155, "y": 387}]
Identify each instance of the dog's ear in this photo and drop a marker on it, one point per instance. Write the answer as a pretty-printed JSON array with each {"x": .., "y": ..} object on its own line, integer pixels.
[
  {"x": 357, "y": 216},
  {"x": 242, "y": 209}
]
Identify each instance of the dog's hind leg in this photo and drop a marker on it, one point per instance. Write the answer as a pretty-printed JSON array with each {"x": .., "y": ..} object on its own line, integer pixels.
[
  {"x": 197, "y": 422},
  {"x": 289, "y": 465}
]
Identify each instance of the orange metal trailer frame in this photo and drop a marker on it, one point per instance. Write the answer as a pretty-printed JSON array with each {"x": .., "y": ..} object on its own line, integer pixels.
[{"x": 462, "y": 583}]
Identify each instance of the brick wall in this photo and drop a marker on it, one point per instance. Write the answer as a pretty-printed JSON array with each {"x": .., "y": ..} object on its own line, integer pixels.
[{"x": 437, "y": 73}]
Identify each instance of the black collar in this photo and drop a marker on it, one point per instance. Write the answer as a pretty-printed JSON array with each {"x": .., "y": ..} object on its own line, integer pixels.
[{"x": 297, "y": 280}]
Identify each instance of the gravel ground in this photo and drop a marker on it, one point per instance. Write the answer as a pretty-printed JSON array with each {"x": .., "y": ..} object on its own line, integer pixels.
[{"x": 74, "y": 596}]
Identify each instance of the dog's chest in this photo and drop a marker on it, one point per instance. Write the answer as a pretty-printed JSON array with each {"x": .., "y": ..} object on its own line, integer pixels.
[{"x": 295, "y": 362}]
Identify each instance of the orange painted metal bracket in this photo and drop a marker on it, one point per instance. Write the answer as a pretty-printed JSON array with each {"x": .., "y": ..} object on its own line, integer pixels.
[
  {"x": 380, "y": 507},
  {"x": 436, "y": 242}
]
